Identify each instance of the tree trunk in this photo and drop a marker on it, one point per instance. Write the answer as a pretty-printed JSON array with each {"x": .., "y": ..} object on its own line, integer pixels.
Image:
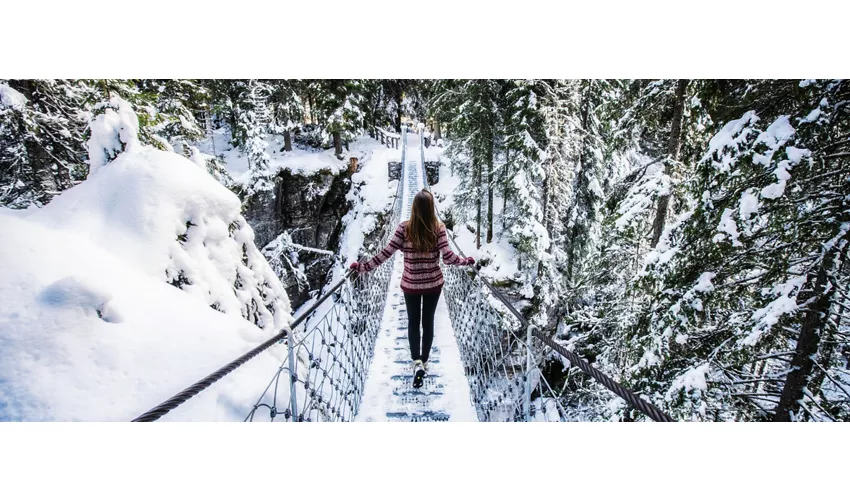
[
  {"x": 546, "y": 219},
  {"x": 829, "y": 347},
  {"x": 398, "y": 101},
  {"x": 478, "y": 205},
  {"x": 211, "y": 130},
  {"x": 504, "y": 182},
  {"x": 490, "y": 185},
  {"x": 287, "y": 140},
  {"x": 571, "y": 253},
  {"x": 337, "y": 144},
  {"x": 437, "y": 134},
  {"x": 673, "y": 148},
  {"x": 807, "y": 345}
]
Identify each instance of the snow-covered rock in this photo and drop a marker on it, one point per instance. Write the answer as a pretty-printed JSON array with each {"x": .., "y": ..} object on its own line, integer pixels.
[{"x": 91, "y": 327}]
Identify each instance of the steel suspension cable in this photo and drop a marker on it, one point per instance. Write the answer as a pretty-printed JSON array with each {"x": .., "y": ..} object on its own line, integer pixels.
[{"x": 181, "y": 397}]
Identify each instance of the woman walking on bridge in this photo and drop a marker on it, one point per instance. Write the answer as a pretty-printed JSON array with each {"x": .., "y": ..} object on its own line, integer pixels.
[{"x": 422, "y": 240}]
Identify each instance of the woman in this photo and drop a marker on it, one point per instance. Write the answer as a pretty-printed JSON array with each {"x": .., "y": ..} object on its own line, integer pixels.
[{"x": 421, "y": 239}]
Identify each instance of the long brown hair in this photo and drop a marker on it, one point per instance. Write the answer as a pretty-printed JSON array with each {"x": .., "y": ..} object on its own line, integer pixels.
[{"x": 423, "y": 226}]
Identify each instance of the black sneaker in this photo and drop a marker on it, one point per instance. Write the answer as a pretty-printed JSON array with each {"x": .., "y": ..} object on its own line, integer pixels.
[{"x": 418, "y": 374}]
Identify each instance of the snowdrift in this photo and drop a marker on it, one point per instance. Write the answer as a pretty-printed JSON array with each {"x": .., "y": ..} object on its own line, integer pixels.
[{"x": 129, "y": 287}]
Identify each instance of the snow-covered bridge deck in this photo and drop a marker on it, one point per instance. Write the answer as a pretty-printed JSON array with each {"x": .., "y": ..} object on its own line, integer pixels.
[{"x": 389, "y": 394}]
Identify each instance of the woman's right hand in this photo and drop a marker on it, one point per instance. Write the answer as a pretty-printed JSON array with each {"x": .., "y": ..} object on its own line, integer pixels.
[
  {"x": 470, "y": 261},
  {"x": 355, "y": 266}
]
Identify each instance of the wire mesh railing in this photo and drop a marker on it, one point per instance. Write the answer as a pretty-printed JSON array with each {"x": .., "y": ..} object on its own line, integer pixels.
[
  {"x": 502, "y": 352},
  {"x": 327, "y": 361},
  {"x": 323, "y": 377}
]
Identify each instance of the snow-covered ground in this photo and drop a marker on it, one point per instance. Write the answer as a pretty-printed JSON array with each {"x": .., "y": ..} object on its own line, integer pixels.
[
  {"x": 298, "y": 161},
  {"x": 89, "y": 326},
  {"x": 499, "y": 252}
]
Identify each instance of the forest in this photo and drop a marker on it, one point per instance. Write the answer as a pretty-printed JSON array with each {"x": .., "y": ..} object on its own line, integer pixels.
[{"x": 687, "y": 237}]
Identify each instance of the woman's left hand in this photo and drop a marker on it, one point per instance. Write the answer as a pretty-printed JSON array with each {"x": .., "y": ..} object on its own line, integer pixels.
[
  {"x": 355, "y": 266},
  {"x": 470, "y": 261}
]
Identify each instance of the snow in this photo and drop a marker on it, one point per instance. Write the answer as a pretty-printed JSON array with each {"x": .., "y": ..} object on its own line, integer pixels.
[
  {"x": 60, "y": 361},
  {"x": 434, "y": 153},
  {"x": 729, "y": 139},
  {"x": 768, "y": 316},
  {"x": 727, "y": 227},
  {"x": 76, "y": 292},
  {"x": 90, "y": 327},
  {"x": 503, "y": 261},
  {"x": 649, "y": 358},
  {"x": 776, "y": 190},
  {"x": 298, "y": 161},
  {"x": 664, "y": 252},
  {"x": 796, "y": 155},
  {"x": 11, "y": 98},
  {"x": 749, "y": 204},
  {"x": 691, "y": 381},
  {"x": 372, "y": 194},
  {"x": 137, "y": 208},
  {"x": 704, "y": 284},
  {"x": 777, "y": 133},
  {"x": 113, "y": 131},
  {"x": 641, "y": 197},
  {"x": 812, "y": 116}
]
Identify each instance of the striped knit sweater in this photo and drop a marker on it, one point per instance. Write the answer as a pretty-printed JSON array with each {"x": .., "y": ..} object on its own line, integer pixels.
[{"x": 422, "y": 273}]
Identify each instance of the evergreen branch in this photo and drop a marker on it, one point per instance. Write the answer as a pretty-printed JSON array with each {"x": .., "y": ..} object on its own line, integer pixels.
[{"x": 837, "y": 383}]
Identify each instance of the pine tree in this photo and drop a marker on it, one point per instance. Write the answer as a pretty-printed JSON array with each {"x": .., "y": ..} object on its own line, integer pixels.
[
  {"x": 751, "y": 271},
  {"x": 522, "y": 174},
  {"x": 559, "y": 104},
  {"x": 475, "y": 127},
  {"x": 41, "y": 139},
  {"x": 342, "y": 103},
  {"x": 176, "y": 104},
  {"x": 286, "y": 110},
  {"x": 253, "y": 117},
  {"x": 590, "y": 170},
  {"x": 141, "y": 100}
]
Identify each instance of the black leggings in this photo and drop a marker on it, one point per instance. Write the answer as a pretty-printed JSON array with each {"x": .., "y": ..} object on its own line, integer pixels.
[{"x": 417, "y": 303}]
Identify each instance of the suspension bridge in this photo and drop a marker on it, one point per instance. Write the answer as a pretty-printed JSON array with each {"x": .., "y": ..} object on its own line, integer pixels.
[{"x": 348, "y": 360}]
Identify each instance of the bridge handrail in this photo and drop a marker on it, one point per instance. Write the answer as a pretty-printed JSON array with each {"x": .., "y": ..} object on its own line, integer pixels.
[
  {"x": 630, "y": 397},
  {"x": 376, "y": 280},
  {"x": 387, "y": 133},
  {"x": 160, "y": 410}
]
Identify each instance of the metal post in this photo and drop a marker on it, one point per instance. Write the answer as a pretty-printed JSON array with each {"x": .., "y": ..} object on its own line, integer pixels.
[
  {"x": 293, "y": 405},
  {"x": 529, "y": 365}
]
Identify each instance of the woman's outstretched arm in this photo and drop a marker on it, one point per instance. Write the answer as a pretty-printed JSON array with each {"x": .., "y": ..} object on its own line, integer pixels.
[
  {"x": 450, "y": 258},
  {"x": 396, "y": 243}
]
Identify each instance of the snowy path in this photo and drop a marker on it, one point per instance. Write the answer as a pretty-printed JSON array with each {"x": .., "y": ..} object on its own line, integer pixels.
[{"x": 389, "y": 394}]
